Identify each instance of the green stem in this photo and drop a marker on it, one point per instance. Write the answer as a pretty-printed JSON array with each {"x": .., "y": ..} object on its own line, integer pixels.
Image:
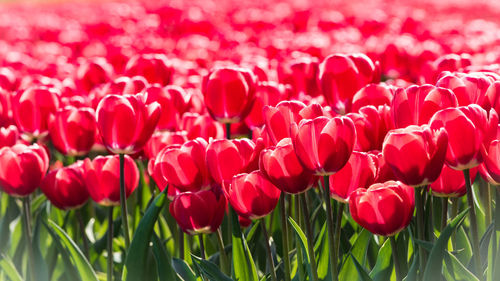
[
  {"x": 110, "y": 244},
  {"x": 420, "y": 226},
  {"x": 431, "y": 214},
  {"x": 454, "y": 212},
  {"x": 82, "y": 230},
  {"x": 224, "y": 265},
  {"x": 228, "y": 131},
  {"x": 123, "y": 201},
  {"x": 473, "y": 225},
  {"x": 329, "y": 225},
  {"x": 181, "y": 244},
  {"x": 487, "y": 204},
  {"x": 284, "y": 229},
  {"x": 300, "y": 257},
  {"x": 338, "y": 227},
  {"x": 202, "y": 246},
  {"x": 444, "y": 212},
  {"x": 268, "y": 250},
  {"x": 309, "y": 233},
  {"x": 28, "y": 235},
  {"x": 395, "y": 258}
]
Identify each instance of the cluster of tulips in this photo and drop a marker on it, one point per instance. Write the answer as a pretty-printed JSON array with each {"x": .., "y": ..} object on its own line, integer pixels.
[{"x": 245, "y": 153}]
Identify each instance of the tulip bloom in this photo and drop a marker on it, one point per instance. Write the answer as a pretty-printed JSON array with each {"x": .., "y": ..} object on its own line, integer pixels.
[
  {"x": 226, "y": 158},
  {"x": 201, "y": 126},
  {"x": 416, "y": 154},
  {"x": 154, "y": 67},
  {"x": 324, "y": 145},
  {"x": 22, "y": 168},
  {"x": 173, "y": 105},
  {"x": 102, "y": 178},
  {"x": 383, "y": 208},
  {"x": 229, "y": 94},
  {"x": 126, "y": 122},
  {"x": 490, "y": 169},
  {"x": 470, "y": 131},
  {"x": 416, "y": 104},
  {"x": 65, "y": 187},
  {"x": 252, "y": 195},
  {"x": 372, "y": 94},
  {"x": 469, "y": 88},
  {"x": 451, "y": 183},
  {"x": 199, "y": 212},
  {"x": 266, "y": 93},
  {"x": 161, "y": 139},
  {"x": 73, "y": 130},
  {"x": 359, "y": 172},
  {"x": 33, "y": 107},
  {"x": 8, "y": 136},
  {"x": 92, "y": 73},
  {"x": 185, "y": 165},
  {"x": 372, "y": 125},
  {"x": 282, "y": 167}
]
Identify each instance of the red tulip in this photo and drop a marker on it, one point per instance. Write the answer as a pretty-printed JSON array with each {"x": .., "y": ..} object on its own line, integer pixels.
[
  {"x": 252, "y": 195},
  {"x": 383, "y": 208},
  {"x": 301, "y": 74},
  {"x": 33, "y": 107},
  {"x": 226, "y": 158},
  {"x": 372, "y": 94},
  {"x": 469, "y": 88},
  {"x": 8, "y": 136},
  {"x": 451, "y": 183},
  {"x": 159, "y": 140},
  {"x": 492, "y": 97},
  {"x": 341, "y": 76},
  {"x": 470, "y": 131},
  {"x": 201, "y": 126},
  {"x": 199, "y": 212},
  {"x": 92, "y": 73},
  {"x": 490, "y": 169},
  {"x": 282, "y": 167},
  {"x": 22, "y": 168},
  {"x": 102, "y": 178},
  {"x": 416, "y": 104},
  {"x": 73, "y": 130},
  {"x": 324, "y": 145},
  {"x": 6, "y": 114},
  {"x": 184, "y": 166},
  {"x": 120, "y": 86},
  {"x": 154, "y": 67},
  {"x": 416, "y": 154},
  {"x": 65, "y": 187},
  {"x": 244, "y": 222},
  {"x": 173, "y": 105},
  {"x": 359, "y": 172},
  {"x": 229, "y": 94},
  {"x": 126, "y": 122},
  {"x": 266, "y": 93},
  {"x": 384, "y": 171},
  {"x": 372, "y": 125}
]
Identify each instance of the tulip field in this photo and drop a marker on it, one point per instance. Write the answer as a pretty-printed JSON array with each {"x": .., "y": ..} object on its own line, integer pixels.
[{"x": 251, "y": 140}]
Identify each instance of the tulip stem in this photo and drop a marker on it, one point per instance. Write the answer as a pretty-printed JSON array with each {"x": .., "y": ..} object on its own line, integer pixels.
[
  {"x": 420, "y": 226},
  {"x": 453, "y": 214},
  {"x": 222, "y": 253},
  {"x": 310, "y": 235},
  {"x": 28, "y": 235},
  {"x": 329, "y": 225},
  {"x": 444, "y": 212},
  {"x": 123, "y": 201},
  {"x": 338, "y": 227},
  {"x": 82, "y": 230},
  {"x": 228, "y": 131},
  {"x": 473, "y": 225},
  {"x": 181, "y": 244},
  {"x": 395, "y": 258},
  {"x": 284, "y": 229},
  {"x": 430, "y": 199},
  {"x": 487, "y": 203},
  {"x": 110, "y": 244},
  {"x": 202, "y": 247},
  {"x": 268, "y": 250}
]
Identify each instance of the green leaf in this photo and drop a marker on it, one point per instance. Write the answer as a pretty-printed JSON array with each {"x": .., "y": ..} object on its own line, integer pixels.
[
  {"x": 383, "y": 268},
  {"x": 41, "y": 269},
  {"x": 412, "y": 272},
  {"x": 210, "y": 270},
  {"x": 361, "y": 271},
  {"x": 303, "y": 245},
  {"x": 323, "y": 256},
  {"x": 455, "y": 270},
  {"x": 135, "y": 263},
  {"x": 243, "y": 264},
  {"x": 85, "y": 271},
  {"x": 9, "y": 268},
  {"x": 163, "y": 260},
  {"x": 359, "y": 251},
  {"x": 184, "y": 272},
  {"x": 435, "y": 261}
]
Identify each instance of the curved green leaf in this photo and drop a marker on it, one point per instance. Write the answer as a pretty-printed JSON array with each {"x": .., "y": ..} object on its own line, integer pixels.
[
  {"x": 243, "y": 264},
  {"x": 184, "y": 272},
  {"x": 455, "y": 270},
  {"x": 81, "y": 263},
  {"x": 163, "y": 260},
  {"x": 9, "y": 268},
  {"x": 210, "y": 270},
  {"x": 363, "y": 275},
  {"x": 359, "y": 251},
  {"x": 41, "y": 269},
  {"x": 135, "y": 263},
  {"x": 435, "y": 262},
  {"x": 303, "y": 245},
  {"x": 323, "y": 256},
  {"x": 383, "y": 268}
]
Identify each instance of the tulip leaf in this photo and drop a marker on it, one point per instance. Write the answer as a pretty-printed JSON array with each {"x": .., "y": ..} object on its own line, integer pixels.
[
  {"x": 243, "y": 264},
  {"x": 383, "y": 268},
  {"x": 74, "y": 253},
  {"x": 135, "y": 263},
  {"x": 41, "y": 269},
  {"x": 413, "y": 271},
  {"x": 9, "y": 268},
  {"x": 363, "y": 275},
  {"x": 455, "y": 270},
  {"x": 303, "y": 245},
  {"x": 435, "y": 261},
  {"x": 184, "y": 272},
  {"x": 210, "y": 270},
  {"x": 323, "y": 256},
  {"x": 162, "y": 257},
  {"x": 359, "y": 251}
]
